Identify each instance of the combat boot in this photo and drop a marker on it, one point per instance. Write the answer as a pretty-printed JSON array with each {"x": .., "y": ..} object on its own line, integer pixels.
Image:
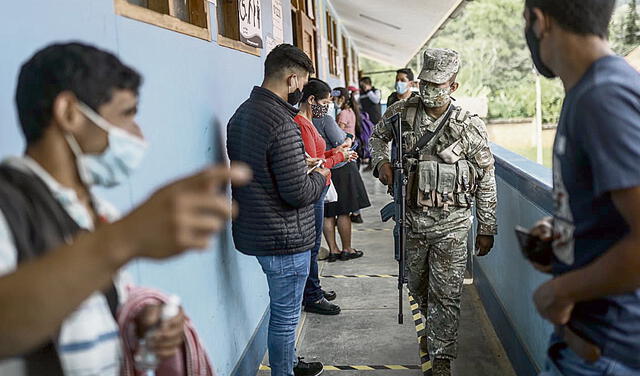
[
  {"x": 441, "y": 367},
  {"x": 423, "y": 345}
]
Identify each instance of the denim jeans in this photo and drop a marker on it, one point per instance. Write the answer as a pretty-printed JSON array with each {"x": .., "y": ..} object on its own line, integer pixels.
[
  {"x": 567, "y": 363},
  {"x": 312, "y": 290},
  {"x": 286, "y": 276}
]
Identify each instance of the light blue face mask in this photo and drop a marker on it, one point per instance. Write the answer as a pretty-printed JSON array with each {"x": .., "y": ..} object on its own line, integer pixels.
[
  {"x": 402, "y": 87},
  {"x": 123, "y": 154}
]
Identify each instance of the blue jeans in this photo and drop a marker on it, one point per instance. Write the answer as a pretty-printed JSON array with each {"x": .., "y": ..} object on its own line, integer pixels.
[
  {"x": 286, "y": 276},
  {"x": 313, "y": 290},
  {"x": 567, "y": 363}
]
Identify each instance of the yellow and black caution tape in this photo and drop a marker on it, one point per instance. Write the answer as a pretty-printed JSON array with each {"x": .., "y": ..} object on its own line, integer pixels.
[
  {"x": 420, "y": 331},
  {"x": 359, "y": 368},
  {"x": 340, "y": 276}
]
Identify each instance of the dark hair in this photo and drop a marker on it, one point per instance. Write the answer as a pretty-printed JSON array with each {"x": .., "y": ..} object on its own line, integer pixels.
[
  {"x": 366, "y": 80},
  {"x": 316, "y": 87},
  {"x": 284, "y": 57},
  {"x": 86, "y": 71},
  {"x": 351, "y": 102},
  {"x": 408, "y": 72},
  {"x": 578, "y": 16}
]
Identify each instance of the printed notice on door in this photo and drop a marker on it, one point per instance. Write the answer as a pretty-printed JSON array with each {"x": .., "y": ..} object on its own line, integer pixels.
[{"x": 250, "y": 14}]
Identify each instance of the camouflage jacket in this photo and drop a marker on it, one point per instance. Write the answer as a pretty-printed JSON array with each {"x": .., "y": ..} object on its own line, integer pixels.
[{"x": 470, "y": 130}]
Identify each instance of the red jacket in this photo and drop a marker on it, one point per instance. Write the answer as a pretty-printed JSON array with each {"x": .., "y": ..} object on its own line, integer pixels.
[{"x": 315, "y": 145}]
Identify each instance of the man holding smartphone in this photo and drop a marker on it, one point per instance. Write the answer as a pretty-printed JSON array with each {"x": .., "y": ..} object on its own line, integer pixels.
[{"x": 594, "y": 298}]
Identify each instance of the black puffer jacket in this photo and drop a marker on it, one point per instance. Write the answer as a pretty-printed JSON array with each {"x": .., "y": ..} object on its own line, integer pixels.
[{"x": 276, "y": 208}]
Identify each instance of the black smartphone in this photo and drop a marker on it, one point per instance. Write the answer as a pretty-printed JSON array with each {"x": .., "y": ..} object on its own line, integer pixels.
[{"x": 534, "y": 248}]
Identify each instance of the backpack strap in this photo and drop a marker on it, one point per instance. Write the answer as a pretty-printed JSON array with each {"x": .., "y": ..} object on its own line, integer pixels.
[
  {"x": 410, "y": 111},
  {"x": 39, "y": 223}
]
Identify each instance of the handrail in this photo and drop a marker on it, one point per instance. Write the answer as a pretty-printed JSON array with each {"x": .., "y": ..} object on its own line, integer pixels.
[{"x": 531, "y": 179}]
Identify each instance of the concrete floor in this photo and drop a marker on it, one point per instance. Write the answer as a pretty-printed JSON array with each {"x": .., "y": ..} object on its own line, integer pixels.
[{"x": 367, "y": 331}]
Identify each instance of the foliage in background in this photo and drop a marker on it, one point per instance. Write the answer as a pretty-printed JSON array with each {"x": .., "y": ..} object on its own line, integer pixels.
[
  {"x": 489, "y": 35},
  {"x": 383, "y": 81},
  {"x": 624, "y": 31},
  {"x": 496, "y": 62}
]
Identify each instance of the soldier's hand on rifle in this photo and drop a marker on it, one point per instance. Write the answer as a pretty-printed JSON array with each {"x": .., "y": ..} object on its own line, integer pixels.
[
  {"x": 484, "y": 244},
  {"x": 385, "y": 174}
]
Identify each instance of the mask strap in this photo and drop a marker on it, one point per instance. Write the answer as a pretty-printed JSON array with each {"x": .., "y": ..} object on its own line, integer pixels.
[
  {"x": 73, "y": 144},
  {"x": 95, "y": 117}
]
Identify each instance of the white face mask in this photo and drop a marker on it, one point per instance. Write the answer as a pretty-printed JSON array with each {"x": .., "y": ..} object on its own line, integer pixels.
[
  {"x": 402, "y": 87},
  {"x": 332, "y": 110},
  {"x": 123, "y": 154}
]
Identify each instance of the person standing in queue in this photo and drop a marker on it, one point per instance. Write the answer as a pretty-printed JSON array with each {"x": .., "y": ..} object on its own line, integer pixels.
[
  {"x": 316, "y": 97},
  {"x": 370, "y": 99},
  {"x": 62, "y": 246},
  {"x": 276, "y": 221},
  {"x": 404, "y": 85}
]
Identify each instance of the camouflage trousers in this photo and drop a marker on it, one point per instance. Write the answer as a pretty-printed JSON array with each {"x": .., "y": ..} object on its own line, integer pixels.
[{"x": 437, "y": 261}]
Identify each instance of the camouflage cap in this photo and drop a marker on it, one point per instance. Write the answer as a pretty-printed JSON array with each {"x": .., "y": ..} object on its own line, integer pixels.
[{"x": 440, "y": 64}]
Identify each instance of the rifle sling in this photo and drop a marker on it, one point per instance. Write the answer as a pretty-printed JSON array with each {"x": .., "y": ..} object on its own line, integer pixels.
[{"x": 428, "y": 136}]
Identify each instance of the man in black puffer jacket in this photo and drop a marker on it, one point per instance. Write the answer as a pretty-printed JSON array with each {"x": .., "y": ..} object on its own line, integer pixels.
[{"x": 276, "y": 221}]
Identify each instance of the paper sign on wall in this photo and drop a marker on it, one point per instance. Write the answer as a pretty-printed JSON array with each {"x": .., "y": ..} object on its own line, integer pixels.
[
  {"x": 249, "y": 12},
  {"x": 278, "y": 24},
  {"x": 270, "y": 44}
]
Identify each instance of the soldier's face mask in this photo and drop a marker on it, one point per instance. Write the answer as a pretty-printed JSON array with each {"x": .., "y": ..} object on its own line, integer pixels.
[
  {"x": 435, "y": 96},
  {"x": 534, "y": 46}
]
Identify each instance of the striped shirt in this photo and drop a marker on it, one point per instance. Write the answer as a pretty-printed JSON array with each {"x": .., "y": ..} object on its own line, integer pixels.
[{"x": 89, "y": 341}]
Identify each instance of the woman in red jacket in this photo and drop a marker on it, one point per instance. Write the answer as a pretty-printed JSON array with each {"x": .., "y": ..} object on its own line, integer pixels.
[{"x": 315, "y": 103}]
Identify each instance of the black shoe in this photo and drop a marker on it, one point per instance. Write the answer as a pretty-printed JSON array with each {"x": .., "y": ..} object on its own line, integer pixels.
[
  {"x": 441, "y": 367},
  {"x": 329, "y": 295},
  {"x": 356, "y": 218},
  {"x": 333, "y": 257},
  {"x": 345, "y": 256},
  {"x": 307, "y": 369},
  {"x": 322, "y": 307}
]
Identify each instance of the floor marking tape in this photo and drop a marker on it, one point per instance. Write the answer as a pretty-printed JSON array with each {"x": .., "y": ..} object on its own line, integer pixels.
[
  {"x": 362, "y": 368},
  {"x": 420, "y": 331},
  {"x": 338, "y": 276},
  {"x": 371, "y": 229}
]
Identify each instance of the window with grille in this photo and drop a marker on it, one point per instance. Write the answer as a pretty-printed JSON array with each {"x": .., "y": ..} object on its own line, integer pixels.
[{"x": 332, "y": 36}]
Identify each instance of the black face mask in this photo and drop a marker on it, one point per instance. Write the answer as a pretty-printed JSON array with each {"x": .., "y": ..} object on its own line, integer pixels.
[
  {"x": 295, "y": 97},
  {"x": 534, "y": 47}
]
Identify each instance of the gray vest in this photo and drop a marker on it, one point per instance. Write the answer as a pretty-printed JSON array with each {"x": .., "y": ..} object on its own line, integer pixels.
[{"x": 38, "y": 224}]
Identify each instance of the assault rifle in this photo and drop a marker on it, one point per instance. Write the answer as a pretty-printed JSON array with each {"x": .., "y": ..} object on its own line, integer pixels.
[{"x": 397, "y": 209}]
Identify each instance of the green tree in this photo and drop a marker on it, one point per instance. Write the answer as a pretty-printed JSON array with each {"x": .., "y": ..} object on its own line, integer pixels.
[
  {"x": 632, "y": 31},
  {"x": 496, "y": 62}
]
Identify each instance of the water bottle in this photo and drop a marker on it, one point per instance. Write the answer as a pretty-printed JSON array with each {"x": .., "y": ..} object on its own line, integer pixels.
[{"x": 146, "y": 360}]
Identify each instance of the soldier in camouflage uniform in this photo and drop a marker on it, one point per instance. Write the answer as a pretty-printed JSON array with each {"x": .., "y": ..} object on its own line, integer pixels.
[{"x": 445, "y": 176}]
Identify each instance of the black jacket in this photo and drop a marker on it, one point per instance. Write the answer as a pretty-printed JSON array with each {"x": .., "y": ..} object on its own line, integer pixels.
[{"x": 276, "y": 208}]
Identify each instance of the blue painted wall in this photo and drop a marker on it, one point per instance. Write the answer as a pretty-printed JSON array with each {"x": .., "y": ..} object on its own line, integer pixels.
[
  {"x": 524, "y": 197},
  {"x": 191, "y": 87}
]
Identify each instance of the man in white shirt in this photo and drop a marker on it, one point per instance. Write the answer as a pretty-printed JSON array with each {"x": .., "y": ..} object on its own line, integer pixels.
[{"x": 77, "y": 107}]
